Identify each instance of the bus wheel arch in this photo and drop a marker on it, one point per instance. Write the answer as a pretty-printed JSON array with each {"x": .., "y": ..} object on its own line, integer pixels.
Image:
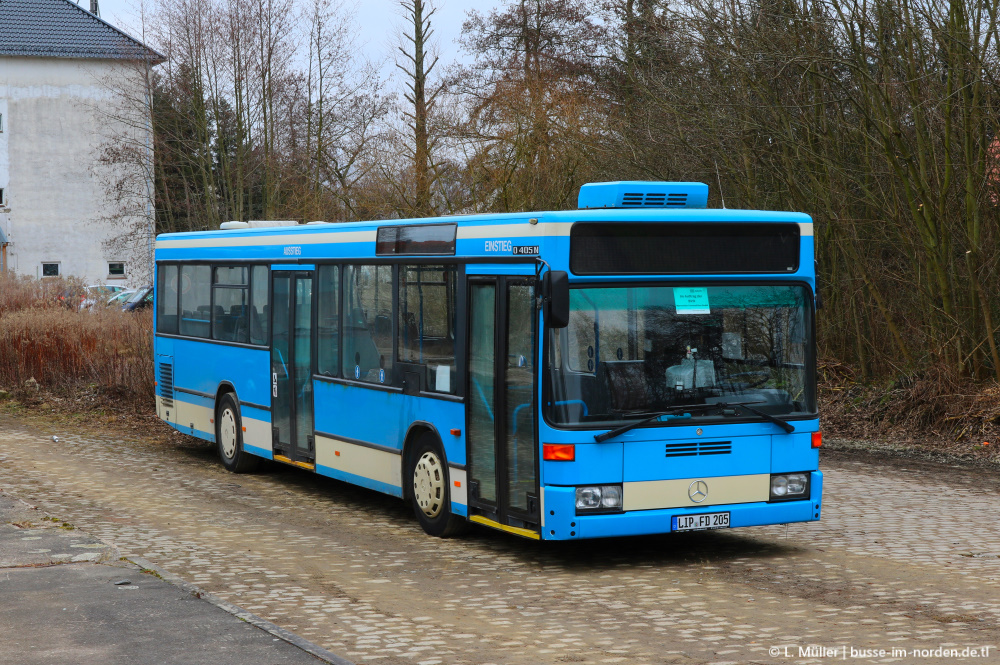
[
  {"x": 225, "y": 387},
  {"x": 426, "y": 483},
  {"x": 416, "y": 430},
  {"x": 229, "y": 434}
]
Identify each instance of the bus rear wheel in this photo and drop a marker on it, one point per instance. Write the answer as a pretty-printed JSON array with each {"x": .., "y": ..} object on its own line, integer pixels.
[
  {"x": 429, "y": 490},
  {"x": 229, "y": 437}
]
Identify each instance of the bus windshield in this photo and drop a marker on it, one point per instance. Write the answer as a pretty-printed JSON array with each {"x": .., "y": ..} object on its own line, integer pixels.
[{"x": 629, "y": 352}]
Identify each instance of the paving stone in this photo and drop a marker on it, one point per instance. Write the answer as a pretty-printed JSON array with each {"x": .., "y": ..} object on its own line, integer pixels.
[{"x": 350, "y": 569}]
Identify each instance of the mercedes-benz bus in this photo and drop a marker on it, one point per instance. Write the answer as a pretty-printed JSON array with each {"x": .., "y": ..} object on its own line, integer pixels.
[{"x": 639, "y": 365}]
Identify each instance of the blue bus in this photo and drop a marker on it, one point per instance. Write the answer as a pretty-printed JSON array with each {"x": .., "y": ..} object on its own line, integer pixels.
[{"x": 639, "y": 365}]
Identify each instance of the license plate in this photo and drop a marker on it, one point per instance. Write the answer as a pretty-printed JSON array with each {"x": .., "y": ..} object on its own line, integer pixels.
[{"x": 700, "y": 522}]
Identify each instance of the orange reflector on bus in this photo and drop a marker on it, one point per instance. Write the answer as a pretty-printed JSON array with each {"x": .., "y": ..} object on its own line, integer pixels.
[
  {"x": 337, "y": 453},
  {"x": 817, "y": 439},
  {"x": 456, "y": 432},
  {"x": 458, "y": 483},
  {"x": 559, "y": 452}
]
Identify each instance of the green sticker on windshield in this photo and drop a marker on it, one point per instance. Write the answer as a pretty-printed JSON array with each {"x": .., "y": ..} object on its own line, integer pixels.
[{"x": 691, "y": 300}]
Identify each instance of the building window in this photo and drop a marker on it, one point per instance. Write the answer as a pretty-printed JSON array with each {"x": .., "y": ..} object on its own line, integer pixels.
[
  {"x": 1, "y": 123},
  {"x": 50, "y": 270},
  {"x": 2, "y": 199},
  {"x": 116, "y": 269}
]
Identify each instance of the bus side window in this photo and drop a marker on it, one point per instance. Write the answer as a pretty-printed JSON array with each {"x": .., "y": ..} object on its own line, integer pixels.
[
  {"x": 427, "y": 295},
  {"x": 196, "y": 299},
  {"x": 230, "y": 314},
  {"x": 259, "y": 310},
  {"x": 166, "y": 303},
  {"x": 367, "y": 314},
  {"x": 328, "y": 321},
  {"x": 582, "y": 331}
]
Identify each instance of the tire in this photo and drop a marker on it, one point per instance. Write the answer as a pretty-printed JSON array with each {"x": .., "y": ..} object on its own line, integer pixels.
[
  {"x": 229, "y": 437},
  {"x": 430, "y": 489}
]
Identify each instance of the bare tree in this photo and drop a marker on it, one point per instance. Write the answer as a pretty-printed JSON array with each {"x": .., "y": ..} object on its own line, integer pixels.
[
  {"x": 531, "y": 112},
  {"x": 344, "y": 109},
  {"x": 418, "y": 62},
  {"x": 125, "y": 165}
]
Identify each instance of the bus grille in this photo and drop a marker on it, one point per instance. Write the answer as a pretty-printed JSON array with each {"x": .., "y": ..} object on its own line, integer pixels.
[
  {"x": 695, "y": 448},
  {"x": 167, "y": 384}
]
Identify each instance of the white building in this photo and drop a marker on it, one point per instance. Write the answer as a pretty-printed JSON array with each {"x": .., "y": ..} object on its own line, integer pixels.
[{"x": 57, "y": 110}]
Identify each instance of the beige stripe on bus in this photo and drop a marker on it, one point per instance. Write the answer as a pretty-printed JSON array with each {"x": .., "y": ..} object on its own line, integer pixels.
[
  {"x": 519, "y": 230},
  {"x": 654, "y": 494},
  {"x": 293, "y": 240}
]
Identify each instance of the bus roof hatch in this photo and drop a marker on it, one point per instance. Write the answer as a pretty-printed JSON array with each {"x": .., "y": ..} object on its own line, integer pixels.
[{"x": 643, "y": 194}]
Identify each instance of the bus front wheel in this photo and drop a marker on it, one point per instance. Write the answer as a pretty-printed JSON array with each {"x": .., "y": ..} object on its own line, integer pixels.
[
  {"x": 229, "y": 437},
  {"x": 429, "y": 491}
]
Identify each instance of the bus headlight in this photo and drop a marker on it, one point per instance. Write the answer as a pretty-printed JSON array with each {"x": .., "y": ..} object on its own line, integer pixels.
[
  {"x": 611, "y": 496},
  {"x": 599, "y": 498},
  {"x": 786, "y": 486}
]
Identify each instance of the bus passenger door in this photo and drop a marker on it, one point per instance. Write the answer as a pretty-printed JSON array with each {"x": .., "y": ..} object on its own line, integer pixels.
[
  {"x": 291, "y": 366},
  {"x": 503, "y": 464}
]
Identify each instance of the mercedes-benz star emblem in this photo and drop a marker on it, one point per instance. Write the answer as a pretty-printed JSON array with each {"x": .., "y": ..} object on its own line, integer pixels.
[{"x": 698, "y": 491}]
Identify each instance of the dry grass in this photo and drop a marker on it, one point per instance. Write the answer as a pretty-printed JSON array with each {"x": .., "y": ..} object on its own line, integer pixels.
[
  {"x": 66, "y": 351},
  {"x": 933, "y": 410},
  {"x": 19, "y": 293}
]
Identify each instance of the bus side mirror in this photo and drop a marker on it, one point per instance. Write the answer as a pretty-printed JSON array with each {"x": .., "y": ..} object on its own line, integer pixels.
[{"x": 555, "y": 295}]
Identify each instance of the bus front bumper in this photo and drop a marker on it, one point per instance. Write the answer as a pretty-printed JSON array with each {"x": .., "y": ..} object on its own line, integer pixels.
[{"x": 562, "y": 523}]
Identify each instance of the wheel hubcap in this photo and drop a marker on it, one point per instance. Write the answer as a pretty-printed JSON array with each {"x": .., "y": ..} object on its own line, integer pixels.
[
  {"x": 428, "y": 484},
  {"x": 227, "y": 433}
]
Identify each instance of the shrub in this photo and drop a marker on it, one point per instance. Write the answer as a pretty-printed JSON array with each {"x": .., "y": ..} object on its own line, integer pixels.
[{"x": 44, "y": 335}]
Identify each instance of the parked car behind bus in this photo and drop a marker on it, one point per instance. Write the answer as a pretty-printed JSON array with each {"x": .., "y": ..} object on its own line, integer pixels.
[
  {"x": 98, "y": 293},
  {"x": 140, "y": 299},
  {"x": 119, "y": 298}
]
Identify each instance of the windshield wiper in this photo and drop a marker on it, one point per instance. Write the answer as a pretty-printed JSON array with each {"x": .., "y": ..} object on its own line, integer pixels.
[
  {"x": 788, "y": 427},
  {"x": 659, "y": 414},
  {"x": 783, "y": 424}
]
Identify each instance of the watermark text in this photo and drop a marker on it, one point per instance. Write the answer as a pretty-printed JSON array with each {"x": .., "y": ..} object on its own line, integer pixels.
[{"x": 847, "y": 652}]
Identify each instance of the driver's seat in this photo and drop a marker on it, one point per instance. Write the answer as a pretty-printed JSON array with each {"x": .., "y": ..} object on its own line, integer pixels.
[{"x": 627, "y": 384}]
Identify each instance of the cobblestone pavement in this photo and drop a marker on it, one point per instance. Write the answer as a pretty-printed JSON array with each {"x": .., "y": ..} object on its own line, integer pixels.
[{"x": 904, "y": 558}]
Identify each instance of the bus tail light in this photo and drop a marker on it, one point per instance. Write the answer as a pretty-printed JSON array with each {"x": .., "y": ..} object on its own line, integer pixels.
[
  {"x": 559, "y": 452},
  {"x": 817, "y": 439}
]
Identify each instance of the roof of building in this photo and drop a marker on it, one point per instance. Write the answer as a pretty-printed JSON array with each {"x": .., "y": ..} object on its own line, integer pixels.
[{"x": 64, "y": 29}]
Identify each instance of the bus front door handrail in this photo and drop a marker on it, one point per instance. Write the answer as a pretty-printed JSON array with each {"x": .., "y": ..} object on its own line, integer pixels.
[
  {"x": 567, "y": 402},
  {"x": 482, "y": 396},
  {"x": 513, "y": 417}
]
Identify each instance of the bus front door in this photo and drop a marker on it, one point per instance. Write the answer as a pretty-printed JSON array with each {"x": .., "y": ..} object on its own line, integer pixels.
[
  {"x": 291, "y": 366},
  {"x": 502, "y": 455}
]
